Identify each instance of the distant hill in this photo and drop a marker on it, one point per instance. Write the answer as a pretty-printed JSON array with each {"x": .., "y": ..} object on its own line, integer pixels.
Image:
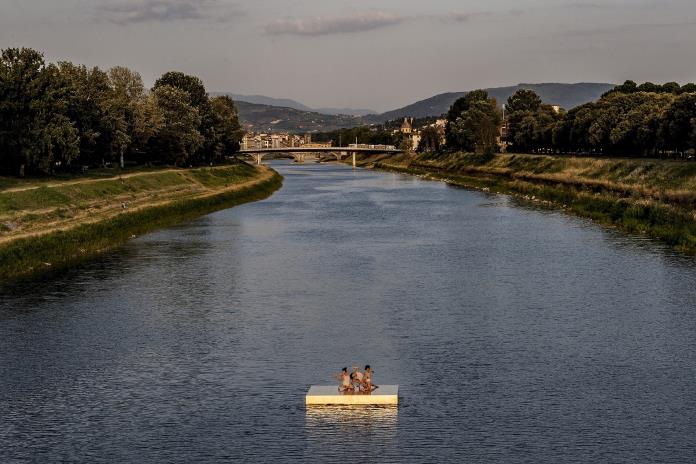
[
  {"x": 294, "y": 104},
  {"x": 266, "y": 118},
  {"x": 565, "y": 95},
  {"x": 285, "y": 115},
  {"x": 263, "y": 100},
  {"x": 348, "y": 111}
]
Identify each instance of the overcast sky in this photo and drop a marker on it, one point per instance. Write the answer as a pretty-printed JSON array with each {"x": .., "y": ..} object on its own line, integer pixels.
[{"x": 378, "y": 54}]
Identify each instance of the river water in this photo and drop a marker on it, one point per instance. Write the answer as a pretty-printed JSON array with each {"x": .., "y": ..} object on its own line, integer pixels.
[{"x": 515, "y": 334}]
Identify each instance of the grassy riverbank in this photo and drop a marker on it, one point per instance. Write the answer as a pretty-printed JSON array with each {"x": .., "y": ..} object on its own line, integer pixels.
[
  {"x": 49, "y": 225},
  {"x": 656, "y": 198}
]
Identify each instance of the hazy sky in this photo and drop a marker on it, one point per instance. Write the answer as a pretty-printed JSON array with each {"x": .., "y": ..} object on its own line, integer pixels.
[{"x": 379, "y": 54}]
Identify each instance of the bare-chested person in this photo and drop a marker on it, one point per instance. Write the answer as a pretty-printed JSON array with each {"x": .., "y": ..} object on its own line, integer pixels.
[
  {"x": 346, "y": 383},
  {"x": 357, "y": 377},
  {"x": 367, "y": 385}
]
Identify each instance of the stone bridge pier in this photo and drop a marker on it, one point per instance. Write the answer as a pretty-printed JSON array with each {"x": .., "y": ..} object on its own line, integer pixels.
[
  {"x": 340, "y": 155},
  {"x": 299, "y": 157},
  {"x": 258, "y": 157}
]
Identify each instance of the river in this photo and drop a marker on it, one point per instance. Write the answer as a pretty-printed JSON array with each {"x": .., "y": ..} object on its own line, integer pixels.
[{"x": 516, "y": 334}]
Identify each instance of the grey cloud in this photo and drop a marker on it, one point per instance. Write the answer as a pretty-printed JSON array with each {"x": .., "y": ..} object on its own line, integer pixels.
[
  {"x": 140, "y": 11},
  {"x": 333, "y": 25},
  {"x": 623, "y": 28},
  {"x": 465, "y": 17}
]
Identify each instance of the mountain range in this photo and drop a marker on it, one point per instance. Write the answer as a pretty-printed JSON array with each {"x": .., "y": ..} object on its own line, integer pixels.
[
  {"x": 294, "y": 104},
  {"x": 285, "y": 115}
]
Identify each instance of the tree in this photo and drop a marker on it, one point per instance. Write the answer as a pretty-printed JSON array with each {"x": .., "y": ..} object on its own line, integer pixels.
[
  {"x": 523, "y": 100},
  {"x": 178, "y": 138},
  {"x": 430, "y": 140},
  {"x": 688, "y": 88},
  {"x": 679, "y": 123},
  {"x": 198, "y": 98},
  {"x": 35, "y": 132},
  {"x": 128, "y": 94},
  {"x": 192, "y": 85},
  {"x": 226, "y": 129},
  {"x": 530, "y": 124},
  {"x": 671, "y": 87},
  {"x": 477, "y": 128},
  {"x": 147, "y": 122},
  {"x": 89, "y": 96},
  {"x": 460, "y": 106},
  {"x": 626, "y": 87},
  {"x": 649, "y": 87}
]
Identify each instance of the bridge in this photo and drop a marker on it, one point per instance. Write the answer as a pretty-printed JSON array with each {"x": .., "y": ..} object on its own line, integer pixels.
[{"x": 300, "y": 153}]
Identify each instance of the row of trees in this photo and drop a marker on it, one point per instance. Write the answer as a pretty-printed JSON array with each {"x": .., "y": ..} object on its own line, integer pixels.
[
  {"x": 378, "y": 135},
  {"x": 621, "y": 123},
  {"x": 58, "y": 116},
  {"x": 669, "y": 87},
  {"x": 631, "y": 120}
]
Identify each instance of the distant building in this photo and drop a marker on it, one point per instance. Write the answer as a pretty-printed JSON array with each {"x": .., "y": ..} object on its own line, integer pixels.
[
  {"x": 415, "y": 140},
  {"x": 407, "y": 126},
  {"x": 318, "y": 145}
]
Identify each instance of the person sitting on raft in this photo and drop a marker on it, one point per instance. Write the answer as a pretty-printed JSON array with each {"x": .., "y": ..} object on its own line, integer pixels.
[
  {"x": 357, "y": 377},
  {"x": 346, "y": 382},
  {"x": 367, "y": 385}
]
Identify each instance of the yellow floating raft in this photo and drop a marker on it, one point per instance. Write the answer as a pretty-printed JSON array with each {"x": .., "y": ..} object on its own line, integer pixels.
[{"x": 385, "y": 394}]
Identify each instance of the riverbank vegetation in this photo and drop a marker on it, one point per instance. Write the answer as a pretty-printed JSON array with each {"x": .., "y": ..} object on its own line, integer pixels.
[
  {"x": 646, "y": 120},
  {"x": 63, "y": 117},
  {"x": 652, "y": 197},
  {"x": 49, "y": 225}
]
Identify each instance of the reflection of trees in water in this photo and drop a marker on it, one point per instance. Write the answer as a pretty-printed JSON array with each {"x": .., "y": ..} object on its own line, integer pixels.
[{"x": 359, "y": 426}]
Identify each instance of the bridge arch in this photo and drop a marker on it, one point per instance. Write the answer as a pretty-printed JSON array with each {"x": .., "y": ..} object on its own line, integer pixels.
[{"x": 300, "y": 153}]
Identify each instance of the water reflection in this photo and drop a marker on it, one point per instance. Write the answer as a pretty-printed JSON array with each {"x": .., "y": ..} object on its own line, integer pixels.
[{"x": 369, "y": 429}]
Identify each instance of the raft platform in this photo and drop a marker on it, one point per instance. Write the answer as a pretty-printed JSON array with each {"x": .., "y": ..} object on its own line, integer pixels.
[{"x": 385, "y": 394}]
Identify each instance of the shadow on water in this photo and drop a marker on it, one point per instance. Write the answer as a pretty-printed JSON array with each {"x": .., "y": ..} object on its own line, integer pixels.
[{"x": 173, "y": 248}]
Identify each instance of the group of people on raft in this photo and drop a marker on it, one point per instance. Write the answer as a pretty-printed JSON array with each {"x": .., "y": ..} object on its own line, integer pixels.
[{"x": 356, "y": 381}]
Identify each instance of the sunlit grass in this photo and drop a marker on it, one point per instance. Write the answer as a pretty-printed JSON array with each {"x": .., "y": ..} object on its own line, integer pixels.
[
  {"x": 57, "y": 250},
  {"x": 61, "y": 248}
]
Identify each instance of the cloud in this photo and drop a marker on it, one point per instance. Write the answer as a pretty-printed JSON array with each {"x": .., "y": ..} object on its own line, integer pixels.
[
  {"x": 623, "y": 28},
  {"x": 140, "y": 11},
  {"x": 465, "y": 17},
  {"x": 321, "y": 25}
]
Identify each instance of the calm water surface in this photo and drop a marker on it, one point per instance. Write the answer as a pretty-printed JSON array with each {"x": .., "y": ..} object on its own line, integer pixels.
[{"x": 517, "y": 335}]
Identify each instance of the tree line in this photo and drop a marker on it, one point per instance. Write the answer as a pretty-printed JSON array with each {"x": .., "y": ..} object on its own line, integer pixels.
[
  {"x": 630, "y": 120},
  {"x": 59, "y": 116},
  {"x": 370, "y": 135}
]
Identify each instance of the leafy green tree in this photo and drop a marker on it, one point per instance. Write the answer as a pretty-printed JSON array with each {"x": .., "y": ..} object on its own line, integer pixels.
[
  {"x": 679, "y": 123},
  {"x": 226, "y": 129},
  {"x": 128, "y": 94},
  {"x": 89, "y": 96},
  {"x": 688, "y": 88},
  {"x": 649, "y": 87},
  {"x": 458, "y": 107},
  {"x": 147, "y": 122},
  {"x": 430, "y": 140},
  {"x": 477, "y": 128},
  {"x": 199, "y": 99},
  {"x": 178, "y": 138},
  {"x": 671, "y": 87},
  {"x": 192, "y": 85},
  {"x": 523, "y": 100},
  {"x": 36, "y": 135},
  {"x": 530, "y": 124}
]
